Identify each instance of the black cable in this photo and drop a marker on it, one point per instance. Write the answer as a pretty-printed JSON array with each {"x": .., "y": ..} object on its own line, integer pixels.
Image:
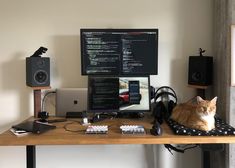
[
  {"x": 171, "y": 147},
  {"x": 43, "y": 100},
  {"x": 191, "y": 147}
]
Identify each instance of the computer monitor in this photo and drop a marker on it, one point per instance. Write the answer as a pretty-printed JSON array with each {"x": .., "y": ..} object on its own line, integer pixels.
[
  {"x": 118, "y": 94},
  {"x": 119, "y": 51}
]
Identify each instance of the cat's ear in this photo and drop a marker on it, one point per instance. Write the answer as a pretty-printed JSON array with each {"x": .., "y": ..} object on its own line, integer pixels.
[
  {"x": 199, "y": 99},
  {"x": 214, "y": 100}
]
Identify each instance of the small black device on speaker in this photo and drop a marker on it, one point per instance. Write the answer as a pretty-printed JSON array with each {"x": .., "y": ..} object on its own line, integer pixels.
[
  {"x": 200, "y": 70},
  {"x": 38, "y": 69}
]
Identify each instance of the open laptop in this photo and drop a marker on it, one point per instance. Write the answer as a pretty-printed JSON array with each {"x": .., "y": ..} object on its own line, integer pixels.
[{"x": 70, "y": 100}]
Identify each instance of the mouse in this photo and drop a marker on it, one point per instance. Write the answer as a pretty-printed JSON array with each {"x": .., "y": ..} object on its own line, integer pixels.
[{"x": 156, "y": 129}]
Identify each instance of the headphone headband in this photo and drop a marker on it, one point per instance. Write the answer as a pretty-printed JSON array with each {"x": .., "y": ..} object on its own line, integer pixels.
[
  {"x": 157, "y": 95},
  {"x": 165, "y": 87}
]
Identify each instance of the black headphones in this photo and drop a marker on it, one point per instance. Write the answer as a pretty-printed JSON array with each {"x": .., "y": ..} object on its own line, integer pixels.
[{"x": 160, "y": 110}]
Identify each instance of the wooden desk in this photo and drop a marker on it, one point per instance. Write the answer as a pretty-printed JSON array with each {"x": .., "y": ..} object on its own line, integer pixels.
[{"x": 59, "y": 136}]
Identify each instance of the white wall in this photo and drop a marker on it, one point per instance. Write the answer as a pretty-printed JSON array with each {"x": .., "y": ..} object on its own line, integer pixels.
[{"x": 184, "y": 26}]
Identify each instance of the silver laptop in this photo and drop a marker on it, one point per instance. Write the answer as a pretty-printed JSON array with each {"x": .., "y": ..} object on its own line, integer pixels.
[{"x": 70, "y": 100}]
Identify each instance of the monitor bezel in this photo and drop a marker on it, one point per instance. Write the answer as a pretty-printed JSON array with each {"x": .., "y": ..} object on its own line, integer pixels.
[
  {"x": 155, "y": 30},
  {"x": 117, "y": 110}
]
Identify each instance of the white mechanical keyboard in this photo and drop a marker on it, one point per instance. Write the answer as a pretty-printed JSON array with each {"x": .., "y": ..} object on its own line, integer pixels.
[
  {"x": 97, "y": 129},
  {"x": 132, "y": 129}
]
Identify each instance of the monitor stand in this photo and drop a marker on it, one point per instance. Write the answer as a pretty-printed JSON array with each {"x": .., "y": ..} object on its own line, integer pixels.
[
  {"x": 130, "y": 115},
  {"x": 102, "y": 116}
]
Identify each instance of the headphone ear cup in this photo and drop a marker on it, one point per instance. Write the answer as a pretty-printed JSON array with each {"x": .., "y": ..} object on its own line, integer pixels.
[
  {"x": 159, "y": 111},
  {"x": 155, "y": 110},
  {"x": 171, "y": 105}
]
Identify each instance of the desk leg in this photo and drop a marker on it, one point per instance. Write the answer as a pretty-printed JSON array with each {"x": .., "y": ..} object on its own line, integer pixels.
[
  {"x": 31, "y": 156},
  {"x": 206, "y": 153},
  {"x": 206, "y": 159}
]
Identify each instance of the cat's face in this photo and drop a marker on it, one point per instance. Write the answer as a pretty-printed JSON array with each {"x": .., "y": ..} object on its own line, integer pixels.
[{"x": 206, "y": 107}]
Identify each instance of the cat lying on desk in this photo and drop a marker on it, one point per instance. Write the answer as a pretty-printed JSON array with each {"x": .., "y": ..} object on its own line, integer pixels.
[{"x": 198, "y": 115}]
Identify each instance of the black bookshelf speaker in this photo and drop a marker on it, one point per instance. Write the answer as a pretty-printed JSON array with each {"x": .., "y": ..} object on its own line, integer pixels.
[
  {"x": 200, "y": 70},
  {"x": 37, "y": 71}
]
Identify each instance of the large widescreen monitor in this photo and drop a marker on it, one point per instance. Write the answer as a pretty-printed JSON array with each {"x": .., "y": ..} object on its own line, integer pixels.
[
  {"x": 119, "y": 51},
  {"x": 118, "y": 94}
]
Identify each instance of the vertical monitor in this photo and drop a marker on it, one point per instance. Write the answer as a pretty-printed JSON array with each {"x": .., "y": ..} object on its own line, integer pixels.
[
  {"x": 119, "y": 51},
  {"x": 118, "y": 94}
]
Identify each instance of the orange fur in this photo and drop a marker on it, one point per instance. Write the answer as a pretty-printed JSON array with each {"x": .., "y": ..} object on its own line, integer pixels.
[{"x": 197, "y": 116}]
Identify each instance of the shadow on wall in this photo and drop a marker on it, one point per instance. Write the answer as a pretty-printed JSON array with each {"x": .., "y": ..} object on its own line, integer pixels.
[
  {"x": 66, "y": 62},
  {"x": 179, "y": 80},
  {"x": 179, "y": 73},
  {"x": 14, "y": 81}
]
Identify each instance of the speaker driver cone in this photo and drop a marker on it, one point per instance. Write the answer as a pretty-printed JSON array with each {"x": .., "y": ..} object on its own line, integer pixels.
[
  {"x": 196, "y": 76},
  {"x": 41, "y": 76}
]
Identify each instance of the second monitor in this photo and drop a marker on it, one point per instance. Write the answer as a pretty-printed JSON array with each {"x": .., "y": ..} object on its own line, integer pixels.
[{"x": 118, "y": 94}]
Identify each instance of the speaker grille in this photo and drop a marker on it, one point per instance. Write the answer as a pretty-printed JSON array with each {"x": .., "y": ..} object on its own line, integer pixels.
[{"x": 37, "y": 71}]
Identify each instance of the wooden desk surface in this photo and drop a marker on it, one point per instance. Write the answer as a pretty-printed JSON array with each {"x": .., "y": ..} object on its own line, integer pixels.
[{"x": 59, "y": 136}]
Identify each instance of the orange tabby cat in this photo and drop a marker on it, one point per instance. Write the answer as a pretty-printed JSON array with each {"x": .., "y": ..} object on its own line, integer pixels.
[{"x": 197, "y": 116}]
